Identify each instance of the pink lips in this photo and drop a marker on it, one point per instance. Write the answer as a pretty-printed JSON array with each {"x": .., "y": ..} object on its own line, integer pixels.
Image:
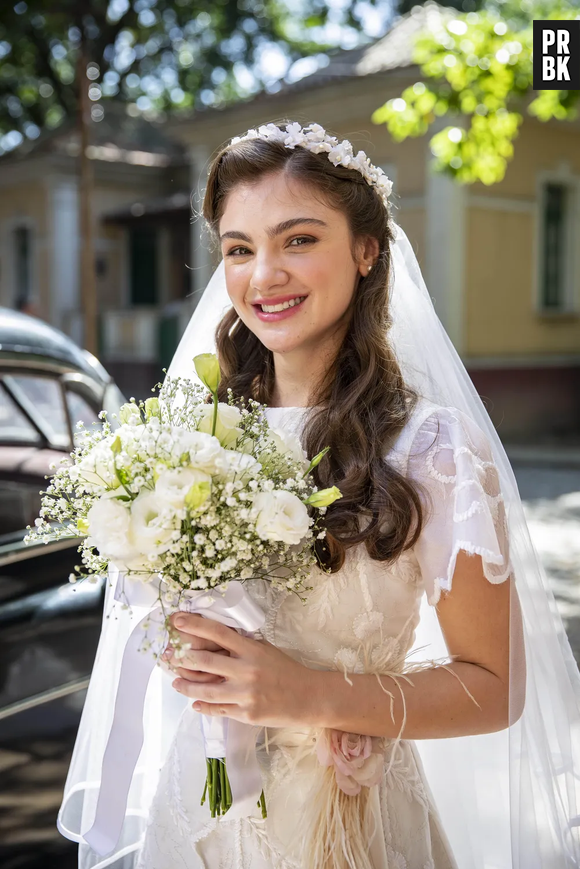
[{"x": 276, "y": 315}]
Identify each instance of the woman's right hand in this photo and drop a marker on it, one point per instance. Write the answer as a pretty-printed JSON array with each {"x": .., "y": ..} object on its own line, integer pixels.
[{"x": 180, "y": 666}]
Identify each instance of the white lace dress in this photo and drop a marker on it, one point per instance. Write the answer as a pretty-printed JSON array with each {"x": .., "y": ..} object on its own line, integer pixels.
[{"x": 361, "y": 618}]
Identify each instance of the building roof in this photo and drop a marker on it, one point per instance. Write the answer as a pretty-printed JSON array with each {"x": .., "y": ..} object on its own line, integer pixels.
[
  {"x": 392, "y": 51},
  {"x": 118, "y": 138}
]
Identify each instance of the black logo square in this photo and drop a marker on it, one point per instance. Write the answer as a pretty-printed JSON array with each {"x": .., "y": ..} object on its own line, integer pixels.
[{"x": 556, "y": 55}]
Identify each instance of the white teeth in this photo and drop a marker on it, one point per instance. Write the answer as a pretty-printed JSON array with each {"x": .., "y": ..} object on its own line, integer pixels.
[{"x": 269, "y": 309}]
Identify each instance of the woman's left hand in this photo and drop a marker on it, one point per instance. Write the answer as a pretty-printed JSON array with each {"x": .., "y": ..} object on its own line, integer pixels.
[{"x": 261, "y": 684}]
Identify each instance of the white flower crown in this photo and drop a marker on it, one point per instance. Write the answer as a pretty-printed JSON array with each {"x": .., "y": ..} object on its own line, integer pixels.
[{"x": 315, "y": 138}]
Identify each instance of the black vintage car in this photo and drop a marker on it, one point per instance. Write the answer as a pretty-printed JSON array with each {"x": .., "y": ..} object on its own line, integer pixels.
[{"x": 48, "y": 628}]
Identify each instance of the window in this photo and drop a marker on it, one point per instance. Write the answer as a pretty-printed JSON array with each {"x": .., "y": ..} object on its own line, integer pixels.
[
  {"x": 79, "y": 410},
  {"x": 22, "y": 277},
  {"x": 143, "y": 265},
  {"x": 556, "y": 246},
  {"x": 14, "y": 426},
  {"x": 43, "y": 400}
]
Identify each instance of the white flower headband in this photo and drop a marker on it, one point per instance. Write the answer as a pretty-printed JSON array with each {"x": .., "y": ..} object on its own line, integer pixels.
[{"x": 315, "y": 138}]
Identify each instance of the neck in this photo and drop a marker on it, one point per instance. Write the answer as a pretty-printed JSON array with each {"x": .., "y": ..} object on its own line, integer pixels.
[{"x": 298, "y": 375}]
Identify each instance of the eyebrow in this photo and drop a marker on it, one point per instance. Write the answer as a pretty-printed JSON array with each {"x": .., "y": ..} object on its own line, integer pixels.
[{"x": 273, "y": 231}]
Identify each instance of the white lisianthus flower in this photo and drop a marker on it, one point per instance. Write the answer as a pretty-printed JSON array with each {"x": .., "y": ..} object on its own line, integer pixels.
[
  {"x": 280, "y": 516},
  {"x": 108, "y": 525},
  {"x": 152, "y": 524},
  {"x": 129, "y": 414},
  {"x": 204, "y": 449},
  {"x": 227, "y": 429},
  {"x": 288, "y": 444},
  {"x": 174, "y": 484}
]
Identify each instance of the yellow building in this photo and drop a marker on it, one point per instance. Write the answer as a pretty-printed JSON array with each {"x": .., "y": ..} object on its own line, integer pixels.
[
  {"x": 502, "y": 263},
  {"x": 141, "y": 216}
]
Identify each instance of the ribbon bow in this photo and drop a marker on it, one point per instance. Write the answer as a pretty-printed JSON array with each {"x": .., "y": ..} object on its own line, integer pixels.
[{"x": 227, "y": 738}]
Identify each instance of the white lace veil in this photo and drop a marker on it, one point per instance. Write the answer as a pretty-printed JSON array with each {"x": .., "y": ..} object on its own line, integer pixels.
[
  {"x": 512, "y": 798},
  {"x": 508, "y": 800}
]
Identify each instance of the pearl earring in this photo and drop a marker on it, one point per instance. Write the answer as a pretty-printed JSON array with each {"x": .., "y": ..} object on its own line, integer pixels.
[{"x": 369, "y": 268}]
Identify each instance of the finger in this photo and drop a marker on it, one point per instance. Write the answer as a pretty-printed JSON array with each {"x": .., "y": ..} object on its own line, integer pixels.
[
  {"x": 222, "y": 692},
  {"x": 208, "y": 629},
  {"x": 177, "y": 657},
  {"x": 208, "y": 662},
  {"x": 180, "y": 638},
  {"x": 195, "y": 675},
  {"x": 228, "y": 709}
]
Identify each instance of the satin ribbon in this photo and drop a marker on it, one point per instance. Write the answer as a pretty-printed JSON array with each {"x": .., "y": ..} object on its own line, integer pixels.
[{"x": 227, "y": 738}]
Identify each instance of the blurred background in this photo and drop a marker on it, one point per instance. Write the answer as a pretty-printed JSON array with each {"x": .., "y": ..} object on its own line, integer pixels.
[{"x": 110, "y": 111}]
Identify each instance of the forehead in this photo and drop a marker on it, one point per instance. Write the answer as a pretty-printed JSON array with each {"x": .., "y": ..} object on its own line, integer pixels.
[{"x": 272, "y": 196}]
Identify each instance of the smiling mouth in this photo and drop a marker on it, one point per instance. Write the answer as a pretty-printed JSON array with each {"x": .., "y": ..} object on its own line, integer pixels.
[{"x": 284, "y": 306}]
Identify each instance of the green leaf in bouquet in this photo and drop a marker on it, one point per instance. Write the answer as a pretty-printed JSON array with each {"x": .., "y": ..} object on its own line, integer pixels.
[
  {"x": 82, "y": 525},
  {"x": 197, "y": 495},
  {"x": 324, "y": 497},
  {"x": 116, "y": 446},
  {"x": 123, "y": 477}
]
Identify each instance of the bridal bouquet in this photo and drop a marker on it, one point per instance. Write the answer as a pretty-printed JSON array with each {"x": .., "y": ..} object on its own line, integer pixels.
[{"x": 187, "y": 496}]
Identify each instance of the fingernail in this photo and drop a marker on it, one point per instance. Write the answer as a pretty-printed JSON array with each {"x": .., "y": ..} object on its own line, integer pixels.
[
  {"x": 180, "y": 622},
  {"x": 176, "y": 684},
  {"x": 168, "y": 653}
]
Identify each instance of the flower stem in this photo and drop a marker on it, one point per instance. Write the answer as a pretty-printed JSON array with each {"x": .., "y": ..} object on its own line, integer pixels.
[{"x": 218, "y": 786}]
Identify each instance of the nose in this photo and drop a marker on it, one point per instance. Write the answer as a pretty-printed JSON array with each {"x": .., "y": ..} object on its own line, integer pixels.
[{"x": 267, "y": 273}]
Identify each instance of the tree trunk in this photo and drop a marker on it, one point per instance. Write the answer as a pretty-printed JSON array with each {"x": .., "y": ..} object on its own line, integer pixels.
[{"x": 88, "y": 284}]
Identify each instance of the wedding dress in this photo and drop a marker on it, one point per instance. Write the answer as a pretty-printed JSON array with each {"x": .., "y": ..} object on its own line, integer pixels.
[
  {"x": 505, "y": 800},
  {"x": 361, "y": 618}
]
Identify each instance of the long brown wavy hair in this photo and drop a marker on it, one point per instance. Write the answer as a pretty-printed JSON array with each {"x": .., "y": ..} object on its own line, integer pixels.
[{"x": 363, "y": 402}]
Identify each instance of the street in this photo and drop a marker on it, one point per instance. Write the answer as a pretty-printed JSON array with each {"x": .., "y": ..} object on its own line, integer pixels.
[{"x": 551, "y": 497}]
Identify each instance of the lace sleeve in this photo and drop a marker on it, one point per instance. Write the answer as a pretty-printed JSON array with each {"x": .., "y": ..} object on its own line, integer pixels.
[{"x": 451, "y": 457}]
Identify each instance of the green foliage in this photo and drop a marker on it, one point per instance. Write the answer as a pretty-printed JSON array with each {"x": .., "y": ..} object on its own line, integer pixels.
[
  {"x": 158, "y": 56},
  {"x": 479, "y": 71}
]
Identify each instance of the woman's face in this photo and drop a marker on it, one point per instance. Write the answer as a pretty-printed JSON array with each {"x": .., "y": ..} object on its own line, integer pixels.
[{"x": 280, "y": 243}]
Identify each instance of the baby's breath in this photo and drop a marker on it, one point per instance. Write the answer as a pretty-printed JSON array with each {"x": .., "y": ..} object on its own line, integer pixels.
[{"x": 119, "y": 494}]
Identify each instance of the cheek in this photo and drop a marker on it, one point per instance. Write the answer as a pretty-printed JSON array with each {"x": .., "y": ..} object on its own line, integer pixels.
[{"x": 236, "y": 285}]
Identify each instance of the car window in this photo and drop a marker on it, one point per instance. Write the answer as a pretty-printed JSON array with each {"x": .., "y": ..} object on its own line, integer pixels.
[
  {"x": 14, "y": 426},
  {"x": 79, "y": 410},
  {"x": 45, "y": 396}
]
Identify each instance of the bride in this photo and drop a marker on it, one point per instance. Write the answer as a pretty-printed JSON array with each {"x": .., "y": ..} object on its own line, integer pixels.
[{"x": 421, "y": 710}]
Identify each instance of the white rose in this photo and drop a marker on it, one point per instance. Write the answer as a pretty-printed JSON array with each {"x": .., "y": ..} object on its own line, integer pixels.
[
  {"x": 152, "y": 524},
  {"x": 98, "y": 466},
  {"x": 108, "y": 522},
  {"x": 174, "y": 484},
  {"x": 227, "y": 428},
  {"x": 280, "y": 516},
  {"x": 203, "y": 449},
  {"x": 288, "y": 444}
]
